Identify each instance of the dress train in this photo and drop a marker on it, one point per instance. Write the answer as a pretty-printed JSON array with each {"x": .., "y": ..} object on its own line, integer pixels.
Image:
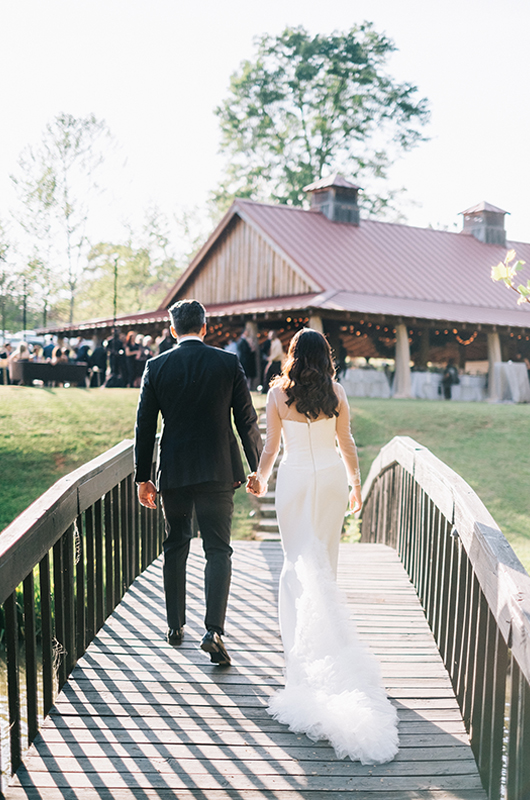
[{"x": 332, "y": 684}]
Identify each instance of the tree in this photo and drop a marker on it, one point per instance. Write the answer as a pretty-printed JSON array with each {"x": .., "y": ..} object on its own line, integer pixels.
[
  {"x": 146, "y": 267},
  {"x": 311, "y": 105},
  {"x": 54, "y": 184},
  {"x": 5, "y": 278}
]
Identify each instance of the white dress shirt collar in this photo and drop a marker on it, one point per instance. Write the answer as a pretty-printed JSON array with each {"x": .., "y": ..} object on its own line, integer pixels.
[{"x": 189, "y": 338}]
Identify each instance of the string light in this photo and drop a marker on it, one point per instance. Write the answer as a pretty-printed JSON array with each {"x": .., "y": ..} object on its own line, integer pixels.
[{"x": 467, "y": 341}]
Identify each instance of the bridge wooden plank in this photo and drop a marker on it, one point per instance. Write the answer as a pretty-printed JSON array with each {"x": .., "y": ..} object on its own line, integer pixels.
[{"x": 141, "y": 719}]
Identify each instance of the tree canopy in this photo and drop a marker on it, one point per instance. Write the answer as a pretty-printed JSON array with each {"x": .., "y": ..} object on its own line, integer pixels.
[
  {"x": 54, "y": 184},
  {"x": 311, "y": 105},
  {"x": 147, "y": 268}
]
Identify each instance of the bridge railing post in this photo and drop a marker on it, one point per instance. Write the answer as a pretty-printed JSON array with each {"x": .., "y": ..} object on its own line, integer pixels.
[
  {"x": 89, "y": 543},
  {"x": 476, "y": 597}
]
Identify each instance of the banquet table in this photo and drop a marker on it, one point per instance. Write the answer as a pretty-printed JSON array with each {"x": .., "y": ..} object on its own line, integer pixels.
[
  {"x": 471, "y": 387},
  {"x": 510, "y": 382},
  {"x": 366, "y": 383},
  {"x": 427, "y": 386}
]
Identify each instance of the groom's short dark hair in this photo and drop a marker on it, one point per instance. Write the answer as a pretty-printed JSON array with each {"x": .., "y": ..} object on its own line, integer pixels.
[{"x": 188, "y": 316}]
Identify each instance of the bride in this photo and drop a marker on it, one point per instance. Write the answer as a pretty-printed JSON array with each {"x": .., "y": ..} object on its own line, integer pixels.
[{"x": 332, "y": 685}]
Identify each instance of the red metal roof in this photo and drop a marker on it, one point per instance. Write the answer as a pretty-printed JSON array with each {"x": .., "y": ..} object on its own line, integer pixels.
[
  {"x": 516, "y": 316},
  {"x": 375, "y": 267},
  {"x": 272, "y": 304},
  {"x": 122, "y": 321},
  {"x": 396, "y": 265}
]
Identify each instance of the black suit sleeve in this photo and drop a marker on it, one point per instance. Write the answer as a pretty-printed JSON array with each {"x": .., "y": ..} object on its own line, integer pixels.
[
  {"x": 246, "y": 419},
  {"x": 145, "y": 428}
]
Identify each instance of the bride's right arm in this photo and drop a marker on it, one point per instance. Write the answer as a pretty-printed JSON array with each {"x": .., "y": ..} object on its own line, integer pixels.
[
  {"x": 272, "y": 445},
  {"x": 346, "y": 441}
]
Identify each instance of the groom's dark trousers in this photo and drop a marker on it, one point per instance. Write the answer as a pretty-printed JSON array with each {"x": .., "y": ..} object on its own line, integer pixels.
[{"x": 196, "y": 388}]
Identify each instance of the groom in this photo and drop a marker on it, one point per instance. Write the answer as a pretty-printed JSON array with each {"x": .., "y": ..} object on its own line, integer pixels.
[{"x": 195, "y": 388}]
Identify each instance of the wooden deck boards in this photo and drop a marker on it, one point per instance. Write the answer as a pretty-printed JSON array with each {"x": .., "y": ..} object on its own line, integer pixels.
[{"x": 139, "y": 719}]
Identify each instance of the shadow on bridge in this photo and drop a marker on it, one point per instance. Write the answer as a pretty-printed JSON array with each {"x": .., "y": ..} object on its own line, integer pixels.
[{"x": 139, "y": 719}]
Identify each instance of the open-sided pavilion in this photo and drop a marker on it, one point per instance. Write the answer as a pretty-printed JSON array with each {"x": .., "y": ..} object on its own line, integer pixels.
[{"x": 376, "y": 288}]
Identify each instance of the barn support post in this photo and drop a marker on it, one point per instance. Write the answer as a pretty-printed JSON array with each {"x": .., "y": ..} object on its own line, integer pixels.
[
  {"x": 423, "y": 355},
  {"x": 494, "y": 356},
  {"x": 402, "y": 386},
  {"x": 316, "y": 323}
]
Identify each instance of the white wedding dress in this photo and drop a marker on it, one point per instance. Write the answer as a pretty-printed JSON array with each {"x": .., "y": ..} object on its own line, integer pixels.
[{"x": 332, "y": 685}]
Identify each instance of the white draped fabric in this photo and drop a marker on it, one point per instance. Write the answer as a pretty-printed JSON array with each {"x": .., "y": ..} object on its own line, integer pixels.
[
  {"x": 426, "y": 386},
  {"x": 510, "y": 382},
  {"x": 366, "y": 383}
]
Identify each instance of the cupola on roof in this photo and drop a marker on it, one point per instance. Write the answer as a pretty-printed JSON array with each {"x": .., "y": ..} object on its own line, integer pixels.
[
  {"x": 336, "y": 180},
  {"x": 336, "y": 198},
  {"x": 486, "y": 223},
  {"x": 484, "y": 207}
]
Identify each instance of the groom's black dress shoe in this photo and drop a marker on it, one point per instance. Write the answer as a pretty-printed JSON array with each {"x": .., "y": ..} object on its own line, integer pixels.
[
  {"x": 174, "y": 636},
  {"x": 213, "y": 644}
]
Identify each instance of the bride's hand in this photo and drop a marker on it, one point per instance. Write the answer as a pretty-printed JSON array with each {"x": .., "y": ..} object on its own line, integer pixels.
[
  {"x": 254, "y": 485},
  {"x": 356, "y": 501}
]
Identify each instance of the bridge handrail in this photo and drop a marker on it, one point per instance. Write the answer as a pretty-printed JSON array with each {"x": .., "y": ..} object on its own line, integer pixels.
[
  {"x": 85, "y": 539},
  {"x": 504, "y": 580},
  {"x": 476, "y": 596},
  {"x": 35, "y": 531}
]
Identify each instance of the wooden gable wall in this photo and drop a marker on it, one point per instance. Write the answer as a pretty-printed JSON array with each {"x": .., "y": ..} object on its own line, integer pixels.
[{"x": 242, "y": 266}]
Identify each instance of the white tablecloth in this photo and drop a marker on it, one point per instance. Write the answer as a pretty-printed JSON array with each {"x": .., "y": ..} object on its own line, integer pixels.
[
  {"x": 471, "y": 387},
  {"x": 424, "y": 385},
  {"x": 365, "y": 383},
  {"x": 510, "y": 382}
]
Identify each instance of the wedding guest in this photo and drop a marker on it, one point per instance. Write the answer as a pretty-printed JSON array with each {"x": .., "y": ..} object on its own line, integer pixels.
[
  {"x": 165, "y": 341},
  {"x": 246, "y": 350},
  {"x": 274, "y": 360},
  {"x": 97, "y": 362},
  {"x": 131, "y": 354}
]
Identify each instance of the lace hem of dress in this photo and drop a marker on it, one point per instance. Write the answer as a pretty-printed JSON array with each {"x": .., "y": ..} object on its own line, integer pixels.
[{"x": 332, "y": 685}]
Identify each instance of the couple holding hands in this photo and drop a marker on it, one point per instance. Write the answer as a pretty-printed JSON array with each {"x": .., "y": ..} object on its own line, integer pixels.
[{"x": 332, "y": 689}]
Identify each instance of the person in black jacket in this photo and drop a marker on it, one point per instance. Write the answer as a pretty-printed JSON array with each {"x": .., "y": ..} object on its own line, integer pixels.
[
  {"x": 195, "y": 388},
  {"x": 247, "y": 355}
]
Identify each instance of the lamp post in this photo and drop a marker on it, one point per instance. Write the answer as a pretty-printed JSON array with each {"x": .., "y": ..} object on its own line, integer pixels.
[
  {"x": 3, "y": 287},
  {"x": 116, "y": 257},
  {"x": 24, "y": 304}
]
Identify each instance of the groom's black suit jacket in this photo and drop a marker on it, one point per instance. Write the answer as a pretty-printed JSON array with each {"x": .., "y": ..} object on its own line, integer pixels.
[{"x": 195, "y": 387}]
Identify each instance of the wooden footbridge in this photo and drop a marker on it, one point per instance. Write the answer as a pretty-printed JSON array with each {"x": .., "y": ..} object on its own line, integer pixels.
[{"x": 113, "y": 712}]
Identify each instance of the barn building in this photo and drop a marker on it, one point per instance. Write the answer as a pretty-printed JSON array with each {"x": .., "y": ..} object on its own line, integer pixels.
[{"x": 376, "y": 289}]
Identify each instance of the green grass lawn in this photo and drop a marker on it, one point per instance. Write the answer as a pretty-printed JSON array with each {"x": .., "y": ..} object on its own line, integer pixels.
[
  {"x": 487, "y": 444},
  {"x": 45, "y": 433}
]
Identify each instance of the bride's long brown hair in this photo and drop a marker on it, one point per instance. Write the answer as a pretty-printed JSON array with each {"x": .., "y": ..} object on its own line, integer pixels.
[{"x": 307, "y": 375}]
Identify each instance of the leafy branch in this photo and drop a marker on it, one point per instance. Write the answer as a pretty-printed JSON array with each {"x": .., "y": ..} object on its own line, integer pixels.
[{"x": 506, "y": 271}]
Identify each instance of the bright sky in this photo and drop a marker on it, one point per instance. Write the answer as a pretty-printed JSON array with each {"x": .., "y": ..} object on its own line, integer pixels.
[{"x": 156, "y": 69}]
